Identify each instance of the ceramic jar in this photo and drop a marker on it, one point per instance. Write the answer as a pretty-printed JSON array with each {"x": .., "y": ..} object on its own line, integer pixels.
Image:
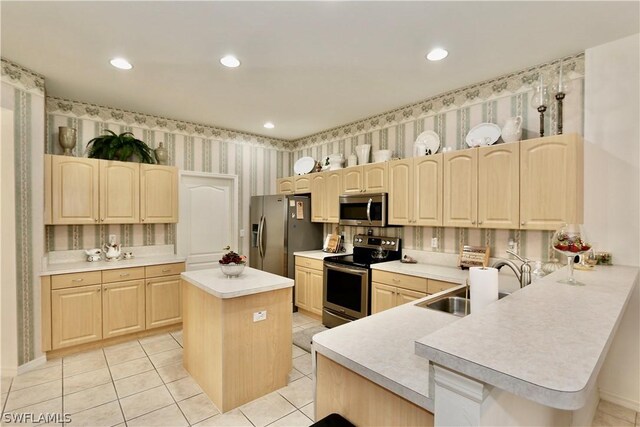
[
  {"x": 512, "y": 130},
  {"x": 161, "y": 155},
  {"x": 67, "y": 139}
]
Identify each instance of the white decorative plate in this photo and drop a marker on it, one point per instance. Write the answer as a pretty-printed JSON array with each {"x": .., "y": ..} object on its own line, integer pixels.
[
  {"x": 483, "y": 134},
  {"x": 430, "y": 139},
  {"x": 304, "y": 165}
]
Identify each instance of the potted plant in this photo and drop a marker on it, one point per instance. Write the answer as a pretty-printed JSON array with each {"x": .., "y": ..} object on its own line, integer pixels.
[{"x": 119, "y": 147}]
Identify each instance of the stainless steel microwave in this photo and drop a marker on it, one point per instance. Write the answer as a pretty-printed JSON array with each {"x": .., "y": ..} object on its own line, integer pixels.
[{"x": 363, "y": 209}]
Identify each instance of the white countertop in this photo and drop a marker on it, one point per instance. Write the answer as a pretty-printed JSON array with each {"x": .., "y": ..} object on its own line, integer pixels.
[
  {"x": 380, "y": 347},
  {"x": 545, "y": 342},
  {"x": 83, "y": 266},
  {"x": 318, "y": 254},
  {"x": 251, "y": 281}
]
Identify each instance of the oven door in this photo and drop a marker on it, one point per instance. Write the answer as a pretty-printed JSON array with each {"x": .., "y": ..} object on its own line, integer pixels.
[
  {"x": 363, "y": 210},
  {"x": 346, "y": 290}
]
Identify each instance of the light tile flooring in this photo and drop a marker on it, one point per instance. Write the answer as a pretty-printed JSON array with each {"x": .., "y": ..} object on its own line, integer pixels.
[
  {"x": 610, "y": 414},
  {"x": 142, "y": 383}
]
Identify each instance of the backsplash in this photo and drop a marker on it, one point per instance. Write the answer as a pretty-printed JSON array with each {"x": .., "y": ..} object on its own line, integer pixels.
[{"x": 257, "y": 161}]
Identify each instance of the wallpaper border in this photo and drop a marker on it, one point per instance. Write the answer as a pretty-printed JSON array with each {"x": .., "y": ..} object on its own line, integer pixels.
[
  {"x": 474, "y": 93},
  {"x": 79, "y": 109},
  {"x": 21, "y": 77}
]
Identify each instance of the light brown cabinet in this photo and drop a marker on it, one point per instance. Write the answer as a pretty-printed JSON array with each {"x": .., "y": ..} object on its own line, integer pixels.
[
  {"x": 309, "y": 276},
  {"x": 460, "y": 188},
  {"x": 302, "y": 184},
  {"x": 389, "y": 290},
  {"x": 370, "y": 178},
  {"x": 284, "y": 185},
  {"x": 163, "y": 301},
  {"x": 158, "y": 194},
  {"x": 499, "y": 186},
  {"x": 123, "y": 308},
  {"x": 415, "y": 191},
  {"x": 92, "y": 191},
  {"x": 76, "y": 315},
  {"x": 551, "y": 182},
  {"x": 326, "y": 188}
]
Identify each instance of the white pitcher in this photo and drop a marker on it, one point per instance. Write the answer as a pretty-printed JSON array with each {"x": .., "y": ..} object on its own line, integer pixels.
[
  {"x": 363, "y": 152},
  {"x": 512, "y": 129}
]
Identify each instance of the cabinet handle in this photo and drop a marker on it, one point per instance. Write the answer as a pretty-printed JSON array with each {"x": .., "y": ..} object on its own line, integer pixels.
[
  {"x": 479, "y": 222},
  {"x": 77, "y": 280},
  {"x": 98, "y": 290},
  {"x": 473, "y": 222},
  {"x": 166, "y": 270},
  {"x": 395, "y": 280},
  {"x": 124, "y": 274},
  {"x": 96, "y": 219},
  {"x": 142, "y": 219},
  {"x": 522, "y": 223},
  {"x": 102, "y": 219}
]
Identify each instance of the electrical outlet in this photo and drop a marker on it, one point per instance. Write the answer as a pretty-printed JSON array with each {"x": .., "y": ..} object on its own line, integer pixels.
[
  {"x": 242, "y": 232},
  {"x": 260, "y": 315},
  {"x": 112, "y": 238},
  {"x": 434, "y": 242}
]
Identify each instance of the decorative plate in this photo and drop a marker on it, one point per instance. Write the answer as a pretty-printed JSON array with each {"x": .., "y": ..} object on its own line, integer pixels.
[
  {"x": 483, "y": 134},
  {"x": 304, "y": 165},
  {"x": 430, "y": 140}
]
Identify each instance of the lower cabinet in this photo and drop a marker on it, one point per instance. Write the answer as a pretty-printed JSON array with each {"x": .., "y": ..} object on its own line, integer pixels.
[
  {"x": 385, "y": 297},
  {"x": 78, "y": 308},
  {"x": 76, "y": 315},
  {"x": 309, "y": 278},
  {"x": 164, "y": 301}
]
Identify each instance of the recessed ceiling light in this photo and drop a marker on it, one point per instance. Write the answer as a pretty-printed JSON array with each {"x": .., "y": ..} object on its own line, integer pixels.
[
  {"x": 121, "y": 63},
  {"x": 437, "y": 54},
  {"x": 269, "y": 125},
  {"x": 230, "y": 61}
]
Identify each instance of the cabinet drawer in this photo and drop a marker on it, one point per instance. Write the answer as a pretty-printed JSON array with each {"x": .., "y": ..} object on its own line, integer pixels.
[
  {"x": 413, "y": 283},
  {"x": 164, "y": 270},
  {"x": 436, "y": 286},
  {"x": 315, "y": 264},
  {"x": 71, "y": 280},
  {"x": 122, "y": 274}
]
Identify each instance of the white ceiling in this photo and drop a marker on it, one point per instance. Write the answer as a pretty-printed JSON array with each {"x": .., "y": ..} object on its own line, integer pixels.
[{"x": 306, "y": 66}]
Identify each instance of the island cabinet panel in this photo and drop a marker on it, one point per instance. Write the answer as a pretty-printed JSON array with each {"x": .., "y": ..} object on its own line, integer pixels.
[
  {"x": 460, "y": 188},
  {"x": 284, "y": 185},
  {"x": 76, "y": 315},
  {"x": 232, "y": 358},
  {"x": 332, "y": 200},
  {"x": 551, "y": 182},
  {"x": 163, "y": 301},
  {"x": 361, "y": 401},
  {"x": 319, "y": 197},
  {"x": 120, "y": 192},
  {"x": 499, "y": 186},
  {"x": 158, "y": 194},
  {"x": 74, "y": 186},
  {"x": 123, "y": 308}
]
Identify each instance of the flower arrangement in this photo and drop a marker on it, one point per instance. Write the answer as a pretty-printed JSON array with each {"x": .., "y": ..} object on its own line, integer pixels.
[{"x": 233, "y": 258}]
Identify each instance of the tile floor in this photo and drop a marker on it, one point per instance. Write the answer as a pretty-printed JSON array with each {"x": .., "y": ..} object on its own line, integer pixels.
[
  {"x": 142, "y": 383},
  {"x": 610, "y": 414}
]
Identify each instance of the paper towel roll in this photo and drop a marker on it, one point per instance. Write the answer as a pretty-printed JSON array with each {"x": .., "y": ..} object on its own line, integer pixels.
[{"x": 483, "y": 282}]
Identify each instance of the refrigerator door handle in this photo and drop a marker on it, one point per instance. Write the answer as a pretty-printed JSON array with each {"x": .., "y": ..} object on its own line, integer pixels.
[
  {"x": 369, "y": 210},
  {"x": 260, "y": 239}
]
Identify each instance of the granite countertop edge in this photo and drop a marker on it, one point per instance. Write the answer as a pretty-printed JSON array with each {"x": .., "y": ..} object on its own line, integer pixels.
[{"x": 279, "y": 283}]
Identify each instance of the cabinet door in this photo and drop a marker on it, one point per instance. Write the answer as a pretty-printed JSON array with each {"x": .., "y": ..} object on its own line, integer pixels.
[
  {"x": 383, "y": 297},
  {"x": 405, "y": 296},
  {"x": 74, "y": 190},
  {"x": 375, "y": 177},
  {"x": 284, "y": 185},
  {"x": 427, "y": 175},
  {"x": 460, "y": 188},
  {"x": 499, "y": 186},
  {"x": 158, "y": 194},
  {"x": 315, "y": 291},
  {"x": 302, "y": 278},
  {"x": 551, "y": 182},
  {"x": 318, "y": 197},
  {"x": 401, "y": 192},
  {"x": 76, "y": 316},
  {"x": 119, "y": 192},
  {"x": 332, "y": 200},
  {"x": 163, "y": 301},
  {"x": 352, "y": 180},
  {"x": 302, "y": 184},
  {"x": 123, "y": 308}
]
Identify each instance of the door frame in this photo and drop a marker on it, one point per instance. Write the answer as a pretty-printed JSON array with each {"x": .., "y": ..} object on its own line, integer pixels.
[{"x": 182, "y": 230}]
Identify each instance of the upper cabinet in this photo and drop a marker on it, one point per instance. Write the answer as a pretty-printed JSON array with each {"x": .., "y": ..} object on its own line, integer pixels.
[
  {"x": 551, "y": 182},
  {"x": 284, "y": 185},
  {"x": 415, "y": 191},
  {"x": 92, "y": 191},
  {"x": 326, "y": 188},
  {"x": 370, "y": 178},
  {"x": 302, "y": 184},
  {"x": 499, "y": 186},
  {"x": 460, "y": 188},
  {"x": 158, "y": 194}
]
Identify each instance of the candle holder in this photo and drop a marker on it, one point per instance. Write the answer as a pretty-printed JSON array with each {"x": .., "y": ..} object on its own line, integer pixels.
[
  {"x": 561, "y": 87},
  {"x": 540, "y": 101}
]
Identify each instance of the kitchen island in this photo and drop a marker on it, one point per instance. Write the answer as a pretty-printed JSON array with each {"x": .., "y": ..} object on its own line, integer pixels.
[
  {"x": 530, "y": 358},
  {"x": 237, "y": 333}
]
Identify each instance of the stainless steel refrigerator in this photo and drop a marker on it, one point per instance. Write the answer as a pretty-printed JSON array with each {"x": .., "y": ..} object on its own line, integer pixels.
[{"x": 280, "y": 226}]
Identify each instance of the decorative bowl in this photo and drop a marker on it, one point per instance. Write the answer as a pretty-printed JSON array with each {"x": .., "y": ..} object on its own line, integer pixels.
[{"x": 232, "y": 269}]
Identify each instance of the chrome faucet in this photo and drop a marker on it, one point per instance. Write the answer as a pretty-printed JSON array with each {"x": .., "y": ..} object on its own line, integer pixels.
[{"x": 523, "y": 273}]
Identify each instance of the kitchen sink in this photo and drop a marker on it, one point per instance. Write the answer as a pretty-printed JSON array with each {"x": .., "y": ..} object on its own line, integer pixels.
[{"x": 455, "y": 303}]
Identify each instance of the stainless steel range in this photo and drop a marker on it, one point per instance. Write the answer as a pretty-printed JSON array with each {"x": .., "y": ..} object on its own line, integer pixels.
[{"x": 347, "y": 278}]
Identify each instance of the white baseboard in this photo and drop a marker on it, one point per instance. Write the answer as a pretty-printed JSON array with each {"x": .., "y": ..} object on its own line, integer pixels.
[
  {"x": 9, "y": 371},
  {"x": 34, "y": 364},
  {"x": 619, "y": 400}
]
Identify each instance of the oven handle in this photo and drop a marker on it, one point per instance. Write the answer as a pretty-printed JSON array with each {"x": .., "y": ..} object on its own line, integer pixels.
[
  {"x": 369, "y": 209},
  {"x": 342, "y": 268}
]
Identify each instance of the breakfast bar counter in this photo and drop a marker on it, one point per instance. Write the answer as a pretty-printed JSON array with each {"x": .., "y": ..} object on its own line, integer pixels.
[{"x": 237, "y": 333}]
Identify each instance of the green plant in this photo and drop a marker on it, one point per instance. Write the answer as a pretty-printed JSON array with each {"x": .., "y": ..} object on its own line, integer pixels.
[{"x": 119, "y": 147}]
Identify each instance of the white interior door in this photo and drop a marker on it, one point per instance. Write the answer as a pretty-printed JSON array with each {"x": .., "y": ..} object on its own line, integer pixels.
[{"x": 208, "y": 218}]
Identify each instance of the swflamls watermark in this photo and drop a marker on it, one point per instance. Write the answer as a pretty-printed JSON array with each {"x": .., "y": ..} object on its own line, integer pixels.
[{"x": 33, "y": 418}]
